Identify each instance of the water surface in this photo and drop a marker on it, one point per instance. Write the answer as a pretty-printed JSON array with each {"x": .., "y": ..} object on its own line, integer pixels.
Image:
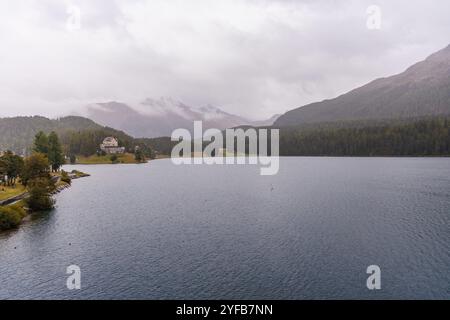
[{"x": 159, "y": 231}]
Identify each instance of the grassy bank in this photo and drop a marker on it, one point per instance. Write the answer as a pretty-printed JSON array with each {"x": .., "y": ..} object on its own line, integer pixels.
[
  {"x": 9, "y": 192},
  {"x": 106, "y": 159}
]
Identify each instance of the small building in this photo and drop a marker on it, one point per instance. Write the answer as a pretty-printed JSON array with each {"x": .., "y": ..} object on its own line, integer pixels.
[{"x": 110, "y": 145}]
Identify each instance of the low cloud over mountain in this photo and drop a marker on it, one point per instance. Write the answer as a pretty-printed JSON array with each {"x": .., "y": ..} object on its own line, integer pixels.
[{"x": 159, "y": 117}]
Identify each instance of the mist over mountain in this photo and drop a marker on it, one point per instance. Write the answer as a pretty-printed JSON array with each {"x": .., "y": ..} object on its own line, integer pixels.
[
  {"x": 422, "y": 90},
  {"x": 159, "y": 117}
]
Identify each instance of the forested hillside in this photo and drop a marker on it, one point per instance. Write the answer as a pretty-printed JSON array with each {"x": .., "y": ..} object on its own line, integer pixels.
[
  {"x": 420, "y": 137},
  {"x": 78, "y": 135},
  {"x": 17, "y": 134},
  {"x": 428, "y": 136}
]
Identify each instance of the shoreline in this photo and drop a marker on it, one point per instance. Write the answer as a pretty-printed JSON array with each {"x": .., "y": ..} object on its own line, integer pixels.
[
  {"x": 18, "y": 200},
  {"x": 124, "y": 158}
]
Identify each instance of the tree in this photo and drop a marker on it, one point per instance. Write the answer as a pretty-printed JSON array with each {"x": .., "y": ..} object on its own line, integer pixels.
[
  {"x": 36, "y": 176},
  {"x": 113, "y": 158},
  {"x": 11, "y": 165},
  {"x": 139, "y": 155},
  {"x": 41, "y": 143},
  {"x": 35, "y": 166},
  {"x": 55, "y": 155},
  {"x": 39, "y": 191}
]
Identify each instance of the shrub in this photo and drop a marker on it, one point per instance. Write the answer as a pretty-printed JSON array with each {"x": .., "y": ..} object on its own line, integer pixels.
[
  {"x": 79, "y": 174},
  {"x": 113, "y": 158},
  {"x": 65, "y": 177},
  {"x": 10, "y": 217}
]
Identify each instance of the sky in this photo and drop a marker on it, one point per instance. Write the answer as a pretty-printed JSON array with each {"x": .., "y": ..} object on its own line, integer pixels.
[{"x": 252, "y": 58}]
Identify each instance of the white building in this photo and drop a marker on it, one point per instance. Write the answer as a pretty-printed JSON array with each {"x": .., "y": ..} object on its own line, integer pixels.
[{"x": 111, "y": 146}]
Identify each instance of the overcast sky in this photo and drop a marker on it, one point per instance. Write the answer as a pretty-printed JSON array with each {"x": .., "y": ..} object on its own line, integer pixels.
[{"x": 253, "y": 58}]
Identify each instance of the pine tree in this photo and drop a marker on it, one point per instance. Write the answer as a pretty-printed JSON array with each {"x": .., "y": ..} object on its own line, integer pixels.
[
  {"x": 55, "y": 155},
  {"x": 139, "y": 155},
  {"x": 41, "y": 143}
]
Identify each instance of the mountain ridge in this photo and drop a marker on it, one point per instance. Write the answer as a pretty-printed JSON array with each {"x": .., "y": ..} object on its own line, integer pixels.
[{"x": 423, "y": 89}]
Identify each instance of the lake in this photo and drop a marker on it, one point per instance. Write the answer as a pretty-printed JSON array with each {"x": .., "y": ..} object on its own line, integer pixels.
[{"x": 159, "y": 231}]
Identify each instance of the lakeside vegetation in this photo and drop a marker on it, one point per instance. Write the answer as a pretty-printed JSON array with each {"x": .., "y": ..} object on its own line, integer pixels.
[
  {"x": 30, "y": 183},
  {"x": 126, "y": 158},
  {"x": 11, "y": 216},
  {"x": 75, "y": 174}
]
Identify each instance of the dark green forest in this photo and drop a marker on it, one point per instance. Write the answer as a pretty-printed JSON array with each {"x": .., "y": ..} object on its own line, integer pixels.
[
  {"x": 417, "y": 137},
  {"x": 428, "y": 136},
  {"x": 87, "y": 142}
]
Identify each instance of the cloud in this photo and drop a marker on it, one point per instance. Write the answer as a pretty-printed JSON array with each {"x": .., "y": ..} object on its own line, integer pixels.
[{"x": 253, "y": 58}]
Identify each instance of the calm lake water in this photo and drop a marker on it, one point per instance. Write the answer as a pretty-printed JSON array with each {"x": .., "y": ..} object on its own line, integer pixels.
[{"x": 158, "y": 231}]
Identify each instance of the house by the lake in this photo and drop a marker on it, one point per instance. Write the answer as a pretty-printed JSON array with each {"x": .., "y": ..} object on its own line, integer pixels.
[{"x": 110, "y": 145}]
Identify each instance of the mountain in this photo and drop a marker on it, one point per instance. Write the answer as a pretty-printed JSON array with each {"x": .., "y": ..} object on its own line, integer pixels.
[
  {"x": 266, "y": 123},
  {"x": 76, "y": 133},
  {"x": 159, "y": 117},
  {"x": 421, "y": 90}
]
